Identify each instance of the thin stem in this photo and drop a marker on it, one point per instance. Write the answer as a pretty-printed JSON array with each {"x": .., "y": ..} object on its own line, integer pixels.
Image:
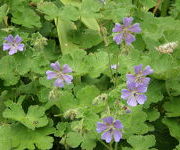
[
  {"x": 104, "y": 144},
  {"x": 111, "y": 70},
  {"x": 116, "y": 146},
  {"x": 111, "y": 148},
  {"x": 157, "y": 6}
]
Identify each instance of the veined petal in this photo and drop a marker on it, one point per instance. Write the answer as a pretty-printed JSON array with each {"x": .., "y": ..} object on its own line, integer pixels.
[
  {"x": 125, "y": 93},
  {"x": 59, "y": 83},
  {"x": 142, "y": 88},
  {"x": 135, "y": 28},
  {"x": 6, "y": 46},
  {"x": 12, "y": 51},
  {"x": 141, "y": 99},
  {"x": 148, "y": 70},
  {"x": 130, "y": 77},
  {"x": 132, "y": 101},
  {"x": 51, "y": 74},
  {"x": 118, "y": 38},
  {"x": 20, "y": 47},
  {"x": 108, "y": 120},
  {"x": 101, "y": 127},
  {"x": 66, "y": 69},
  {"x": 145, "y": 80},
  {"x": 10, "y": 38},
  {"x": 107, "y": 136},
  {"x": 55, "y": 66},
  {"x": 127, "y": 21},
  {"x": 117, "y": 135},
  {"x": 117, "y": 28},
  {"x": 67, "y": 78},
  {"x": 138, "y": 69},
  {"x": 17, "y": 39},
  {"x": 118, "y": 124},
  {"x": 131, "y": 86},
  {"x": 129, "y": 38}
]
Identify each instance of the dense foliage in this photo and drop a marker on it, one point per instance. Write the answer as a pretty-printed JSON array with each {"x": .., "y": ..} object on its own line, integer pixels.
[{"x": 90, "y": 74}]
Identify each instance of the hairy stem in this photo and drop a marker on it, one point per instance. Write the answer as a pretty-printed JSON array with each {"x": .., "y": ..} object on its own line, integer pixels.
[{"x": 157, "y": 6}]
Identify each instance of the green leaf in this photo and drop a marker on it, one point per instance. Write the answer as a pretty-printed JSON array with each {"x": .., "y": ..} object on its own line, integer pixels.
[
  {"x": 154, "y": 93},
  {"x": 147, "y": 142},
  {"x": 7, "y": 71},
  {"x": 74, "y": 139},
  {"x": 91, "y": 23},
  {"x": 137, "y": 117},
  {"x": 174, "y": 127},
  {"x": 29, "y": 19},
  {"x": 66, "y": 101},
  {"x": 34, "y": 118},
  {"x": 172, "y": 107},
  {"x": 87, "y": 94},
  {"x": 152, "y": 114},
  {"x": 23, "y": 62},
  {"x": 165, "y": 69},
  {"x": 173, "y": 86},
  {"x": 76, "y": 60},
  {"x": 20, "y": 137},
  {"x": 50, "y": 9},
  {"x": 87, "y": 38},
  {"x": 89, "y": 141},
  {"x": 97, "y": 63},
  {"x": 61, "y": 127},
  {"x": 70, "y": 13},
  {"x": 90, "y": 120},
  {"x": 64, "y": 28}
]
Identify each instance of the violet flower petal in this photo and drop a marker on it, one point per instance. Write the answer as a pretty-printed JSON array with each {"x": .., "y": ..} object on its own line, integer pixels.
[
  {"x": 135, "y": 28},
  {"x": 141, "y": 99},
  {"x": 127, "y": 21},
  {"x": 51, "y": 74},
  {"x": 117, "y": 135},
  {"x": 101, "y": 127},
  {"x": 66, "y": 69},
  {"x": 55, "y": 66},
  {"x": 108, "y": 120},
  {"x": 107, "y": 136},
  {"x": 117, "y": 28},
  {"x": 59, "y": 83},
  {"x": 129, "y": 38},
  {"x": 118, "y": 124}
]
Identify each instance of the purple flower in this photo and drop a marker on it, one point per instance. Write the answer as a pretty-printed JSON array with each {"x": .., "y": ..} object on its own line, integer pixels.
[
  {"x": 60, "y": 74},
  {"x": 134, "y": 94},
  {"x": 114, "y": 66},
  {"x": 139, "y": 76},
  {"x": 124, "y": 31},
  {"x": 110, "y": 128},
  {"x": 13, "y": 44}
]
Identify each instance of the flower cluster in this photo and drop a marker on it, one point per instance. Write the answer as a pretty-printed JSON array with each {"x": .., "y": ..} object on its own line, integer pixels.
[
  {"x": 137, "y": 85},
  {"x": 60, "y": 74},
  {"x": 13, "y": 44},
  {"x": 125, "y": 31},
  {"x": 110, "y": 128}
]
